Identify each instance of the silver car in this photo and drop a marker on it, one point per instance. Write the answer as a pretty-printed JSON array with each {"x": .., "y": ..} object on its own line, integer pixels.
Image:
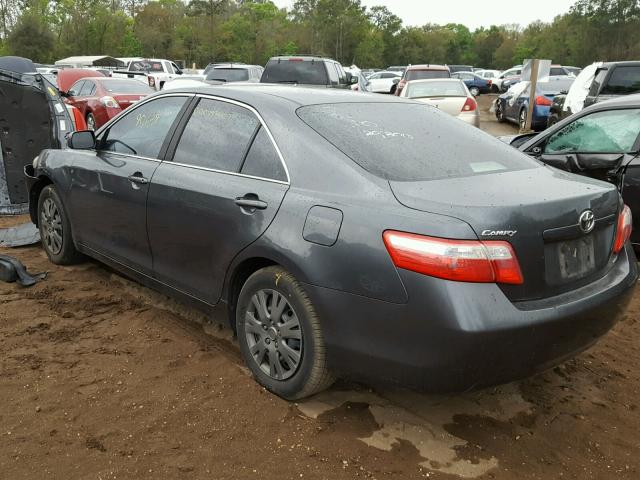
[{"x": 450, "y": 95}]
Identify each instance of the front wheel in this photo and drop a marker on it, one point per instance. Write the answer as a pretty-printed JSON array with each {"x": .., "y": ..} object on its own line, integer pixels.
[
  {"x": 500, "y": 112},
  {"x": 475, "y": 91},
  {"x": 280, "y": 335},
  {"x": 55, "y": 229},
  {"x": 91, "y": 122},
  {"x": 522, "y": 119}
]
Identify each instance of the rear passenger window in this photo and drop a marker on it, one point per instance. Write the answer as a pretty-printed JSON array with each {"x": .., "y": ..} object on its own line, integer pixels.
[
  {"x": 216, "y": 136},
  {"x": 263, "y": 160}
]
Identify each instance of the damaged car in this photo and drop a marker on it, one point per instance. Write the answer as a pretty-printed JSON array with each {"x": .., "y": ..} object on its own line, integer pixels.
[{"x": 427, "y": 253}]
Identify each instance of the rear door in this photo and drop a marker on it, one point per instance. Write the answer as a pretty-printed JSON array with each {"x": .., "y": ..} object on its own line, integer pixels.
[
  {"x": 219, "y": 193},
  {"x": 74, "y": 96},
  {"x": 109, "y": 186}
]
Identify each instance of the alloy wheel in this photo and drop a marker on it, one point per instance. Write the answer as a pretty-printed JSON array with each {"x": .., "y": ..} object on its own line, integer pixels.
[
  {"x": 91, "y": 122},
  {"x": 523, "y": 119},
  {"x": 273, "y": 334},
  {"x": 51, "y": 222}
]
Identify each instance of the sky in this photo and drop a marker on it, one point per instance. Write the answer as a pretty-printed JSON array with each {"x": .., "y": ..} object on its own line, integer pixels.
[{"x": 468, "y": 12}]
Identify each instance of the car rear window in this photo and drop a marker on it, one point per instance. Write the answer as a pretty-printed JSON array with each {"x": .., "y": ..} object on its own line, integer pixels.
[
  {"x": 229, "y": 74},
  {"x": 623, "y": 81},
  {"x": 410, "y": 142},
  {"x": 305, "y": 72},
  {"x": 125, "y": 86},
  {"x": 145, "y": 66},
  {"x": 436, "y": 88},
  {"x": 426, "y": 74}
]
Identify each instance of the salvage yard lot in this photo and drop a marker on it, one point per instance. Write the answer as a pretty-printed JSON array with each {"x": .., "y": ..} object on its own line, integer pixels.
[{"x": 101, "y": 378}]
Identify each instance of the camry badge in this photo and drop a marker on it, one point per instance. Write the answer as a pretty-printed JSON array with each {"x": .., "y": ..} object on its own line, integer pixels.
[
  {"x": 499, "y": 233},
  {"x": 587, "y": 221}
]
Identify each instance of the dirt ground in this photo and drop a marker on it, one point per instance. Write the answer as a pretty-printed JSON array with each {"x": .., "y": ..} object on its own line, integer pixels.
[{"x": 103, "y": 379}]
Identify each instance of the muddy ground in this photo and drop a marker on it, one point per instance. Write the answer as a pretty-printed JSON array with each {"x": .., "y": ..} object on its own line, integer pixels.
[{"x": 102, "y": 379}]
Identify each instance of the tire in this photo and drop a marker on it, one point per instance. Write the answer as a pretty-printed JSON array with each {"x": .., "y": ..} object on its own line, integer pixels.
[
  {"x": 522, "y": 119},
  {"x": 475, "y": 91},
  {"x": 91, "y": 122},
  {"x": 500, "y": 113},
  {"x": 393, "y": 90},
  {"x": 494, "y": 89},
  {"x": 267, "y": 344},
  {"x": 55, "y": 229}
]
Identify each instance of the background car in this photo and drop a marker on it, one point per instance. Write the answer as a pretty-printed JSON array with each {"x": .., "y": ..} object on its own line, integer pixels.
[
  {"x": 460, "y": 68},
  {"x": 496, "y": 84},
  {"x": 450, "y": 95},
  {"x": 307, "y": 70},
  {"x": 602, "y": 142},
  {"x": 474, "y": 82},
  {"x": 473, "y": 249},
  {"x": 513, "y": 105},
  {"x": 489, "y": 74},
  {"x": 232, "y": 72},
  {"x": 422, "y": 72},
  {"x": 363, "y": 85},
  {"x": 383, "y": 82},
  {"x": 100, "y": 99}
]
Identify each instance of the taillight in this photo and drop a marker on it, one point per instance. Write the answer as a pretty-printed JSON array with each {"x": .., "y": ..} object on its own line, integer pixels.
[
  {"x": 623, "y": 230},
  {"x": 458, "y": 260},
  {"x": 109, "y": 102},
  {"x": 489, "y": 82},
  {"x": 470, "y": 105},
  {"x": 78, "y": 120},
  {"x": 543, "y": 101}
]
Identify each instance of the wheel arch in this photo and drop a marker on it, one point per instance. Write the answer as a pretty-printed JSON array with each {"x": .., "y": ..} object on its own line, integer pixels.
[{"x": 34, "y": 196}]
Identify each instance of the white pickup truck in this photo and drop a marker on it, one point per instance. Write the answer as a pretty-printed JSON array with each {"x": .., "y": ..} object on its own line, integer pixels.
[{"x": 152, "y": 71}]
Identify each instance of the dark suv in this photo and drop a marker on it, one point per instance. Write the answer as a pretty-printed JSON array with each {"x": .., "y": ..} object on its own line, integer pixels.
[
  {"x": 611, "y": 80},
  {"x": 307, "y": 70}
]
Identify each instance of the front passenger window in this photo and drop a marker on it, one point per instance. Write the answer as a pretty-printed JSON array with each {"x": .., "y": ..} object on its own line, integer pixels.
[
  {"x": 614, "y": 131},
  {"x": 142, "y": 131}
]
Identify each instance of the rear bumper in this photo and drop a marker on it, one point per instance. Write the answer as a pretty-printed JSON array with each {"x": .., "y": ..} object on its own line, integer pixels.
[
  {"x": 470, "y": 118},
  {"x": 456, "y": 336}
]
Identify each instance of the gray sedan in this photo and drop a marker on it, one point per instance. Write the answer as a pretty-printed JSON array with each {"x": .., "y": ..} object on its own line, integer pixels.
[{"x": 344, "y": 235}]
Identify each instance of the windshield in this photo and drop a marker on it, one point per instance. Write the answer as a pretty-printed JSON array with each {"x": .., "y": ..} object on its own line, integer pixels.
[
  {"x": 436, "y": 89},
  {"x": 145, "y": 66},
  {"x": 408, "y": 142},
  {"x": 126, "y": 86},
  {"x": 426, "y": 74},
  {"x": 229, "y": 74},
  {"x": 306, "y": 72}
]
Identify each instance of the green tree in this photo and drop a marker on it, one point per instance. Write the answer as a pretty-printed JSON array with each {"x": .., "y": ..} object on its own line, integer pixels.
[{"x": 31, "y": 38}]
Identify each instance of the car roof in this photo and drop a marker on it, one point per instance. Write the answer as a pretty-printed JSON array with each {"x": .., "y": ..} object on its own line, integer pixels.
[
  {"x": 428, "y": 66},
  {"x": 628, "y": 63},
  {"x": 427, "y": 80},
  {"x": 266, "y": 94},
  {"x": 302, "y": 57},
  {"x": 623, "y": 101}
]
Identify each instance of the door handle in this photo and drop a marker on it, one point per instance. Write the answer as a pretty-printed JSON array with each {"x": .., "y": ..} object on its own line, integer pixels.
[
  {"x": 251, "y": 202},
  {"x": 138, "y": 178}
]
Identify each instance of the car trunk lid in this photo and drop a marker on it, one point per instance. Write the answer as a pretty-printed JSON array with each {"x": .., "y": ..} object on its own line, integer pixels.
[
  {"x": 538, "y": 212},
  {"x": 450, "y": 105}
]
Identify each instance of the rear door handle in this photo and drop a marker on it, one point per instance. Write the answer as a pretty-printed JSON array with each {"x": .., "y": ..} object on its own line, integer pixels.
[
  {"x": 251, "y": 202},
  {"x": 138, "y": 178}
]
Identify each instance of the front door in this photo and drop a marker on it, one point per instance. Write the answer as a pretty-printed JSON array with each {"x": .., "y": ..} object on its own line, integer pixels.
[
  {"x": 218, "y": 195},
  {"x": 109, "y": 186}
]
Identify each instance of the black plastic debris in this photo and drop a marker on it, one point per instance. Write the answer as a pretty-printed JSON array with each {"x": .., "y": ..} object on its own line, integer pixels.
[
  {"x": 20, "y": 235},
  {"x": 12, "y": 270}
]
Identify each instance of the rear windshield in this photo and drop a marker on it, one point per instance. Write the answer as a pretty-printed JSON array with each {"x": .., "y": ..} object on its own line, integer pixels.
[
  {"x": 623, "y": 81},
  {"x": 145, "y": 66},
  {"x": 304, "y": 72},
  {"x": 426, "y": 74},
  {"x": 125, "y": 86},
  {"x": 436, "y": 89},
  {"x": 409, "y": 142},
  {"x": 229, "y": 74}
]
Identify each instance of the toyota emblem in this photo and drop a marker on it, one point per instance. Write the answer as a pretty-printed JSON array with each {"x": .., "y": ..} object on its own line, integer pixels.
[{"x": 587, "y": 221}]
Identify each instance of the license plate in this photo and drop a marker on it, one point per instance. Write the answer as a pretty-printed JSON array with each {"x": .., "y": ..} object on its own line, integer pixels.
[{"x": 577, "y": 257}]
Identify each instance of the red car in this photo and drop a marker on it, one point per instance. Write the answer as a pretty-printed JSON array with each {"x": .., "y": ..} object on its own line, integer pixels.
[{"x": 99, "y": 99}]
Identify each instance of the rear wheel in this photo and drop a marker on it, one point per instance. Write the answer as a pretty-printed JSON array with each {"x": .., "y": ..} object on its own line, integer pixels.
[
  {"x": 475, "y": 91},
  {"x": 91, "y": 122},
  {"x": 55, "y": 229},
  {"x": 280, "y": 335},
  {"x": 500, "y": 112},
  {"x": 522, "y": 119}
]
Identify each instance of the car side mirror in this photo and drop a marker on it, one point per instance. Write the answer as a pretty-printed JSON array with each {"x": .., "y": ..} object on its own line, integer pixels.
[
  {"x": 82, "y": 140},
  {"x": 396, "y": 81}
]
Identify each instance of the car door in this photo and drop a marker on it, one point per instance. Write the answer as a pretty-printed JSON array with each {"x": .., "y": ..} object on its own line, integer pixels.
[
  {"x": 218, "y": 194},
  {"x": 601, "y": 144},
  {"x": 109, "y": 185},
  {"x": 376, "y": 83}
]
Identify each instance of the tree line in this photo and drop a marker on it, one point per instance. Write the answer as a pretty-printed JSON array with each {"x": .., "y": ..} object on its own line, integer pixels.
[{"x": 251, "y": 31}]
